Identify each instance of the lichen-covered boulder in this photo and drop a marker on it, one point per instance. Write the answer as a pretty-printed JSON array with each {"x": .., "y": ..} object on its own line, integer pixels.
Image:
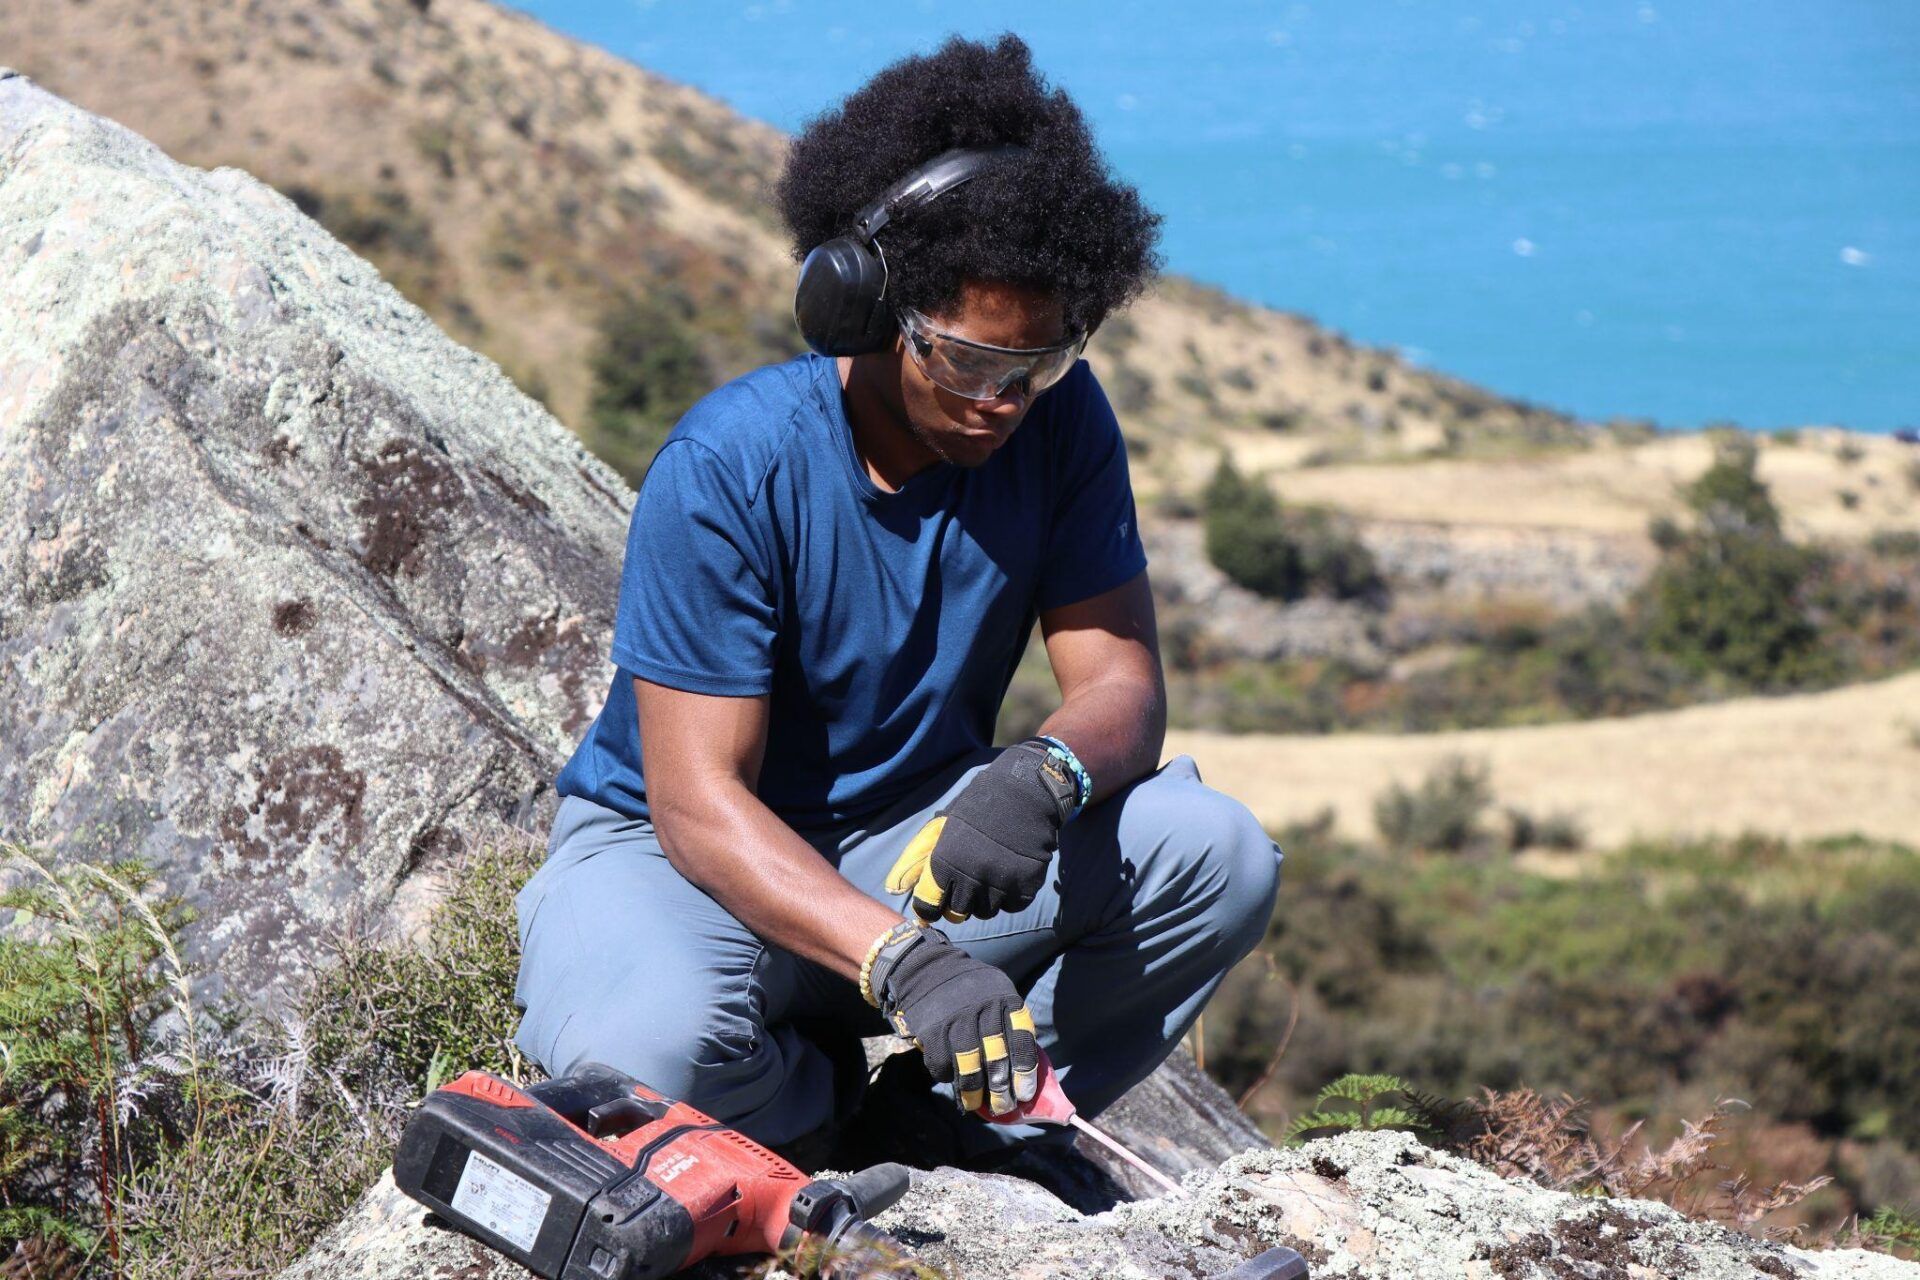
[
  {"x": 1362, "y": 1206},
  {"x": 295, "y": 592}
]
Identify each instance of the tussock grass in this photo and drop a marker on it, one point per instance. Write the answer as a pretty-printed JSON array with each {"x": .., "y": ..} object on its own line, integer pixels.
[{"x": 148, "y": 1138}]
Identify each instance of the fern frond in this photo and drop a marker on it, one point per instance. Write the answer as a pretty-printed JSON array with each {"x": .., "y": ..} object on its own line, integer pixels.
[{"x": 1362, "y": 1089}]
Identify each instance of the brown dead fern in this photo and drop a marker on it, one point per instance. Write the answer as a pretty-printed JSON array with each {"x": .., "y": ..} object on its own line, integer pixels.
[
  {"x": 1549, "y": 1141},
  {"x": 1530, "y": 1136}
]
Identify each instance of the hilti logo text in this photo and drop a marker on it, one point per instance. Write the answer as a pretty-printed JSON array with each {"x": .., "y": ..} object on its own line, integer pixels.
[{"x": 676, "y": 1166}]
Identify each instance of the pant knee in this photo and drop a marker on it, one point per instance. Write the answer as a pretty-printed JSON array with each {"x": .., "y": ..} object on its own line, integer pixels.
[
  {"x": 693, "y": 1051},
  {"x": 1243, "y": 864}
]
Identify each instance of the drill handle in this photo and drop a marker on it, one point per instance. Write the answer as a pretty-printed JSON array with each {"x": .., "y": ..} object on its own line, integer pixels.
[
  {"x": 877, "y": 1188},
  {"x": 578, "y": 1096}
]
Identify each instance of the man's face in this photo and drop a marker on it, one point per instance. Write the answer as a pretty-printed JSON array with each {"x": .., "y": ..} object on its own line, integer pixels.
[{"x": 962, "y": 431}]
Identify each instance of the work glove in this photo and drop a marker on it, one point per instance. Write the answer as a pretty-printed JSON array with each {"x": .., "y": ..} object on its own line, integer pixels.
[
  {"x": 967, "y": 1017},
  {"x": 988, "y": 851}
]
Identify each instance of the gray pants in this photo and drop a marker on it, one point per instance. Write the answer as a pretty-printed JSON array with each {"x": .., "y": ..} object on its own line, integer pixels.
[{"x": 1156, "y": 892}]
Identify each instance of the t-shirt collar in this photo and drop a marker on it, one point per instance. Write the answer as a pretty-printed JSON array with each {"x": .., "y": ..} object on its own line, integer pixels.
[{"x": 833, "y": 402}]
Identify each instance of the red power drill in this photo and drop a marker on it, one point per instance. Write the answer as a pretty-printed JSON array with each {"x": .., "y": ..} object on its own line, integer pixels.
[{"x": 594, "y": 1176}]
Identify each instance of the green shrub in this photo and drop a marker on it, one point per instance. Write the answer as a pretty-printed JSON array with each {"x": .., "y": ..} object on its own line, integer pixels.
[
  {"x": 329, "y": 1086},
  {"x": 1784, "y": 974},
  {"x": 1726, "y": 597},
  {"x": 1441, "y": 815},
  {"x": 1560, "y": 832},
  {"x": 1132, "y": 390},
  {"x": 1332, "y": 560},
  {"x": 1278, "y": 554},
  {"x": 1731, "y": 605},
  {"x": 384, "y": 225},
  {"x": 1895, "y": 544},
  {"x": 1196, "y": 384},
  {"x": 1896, "y": 1228},
  {"x": 1246, "y": 538},
  {"x": 647, "y": 370},
  {"x": 1729, "y": 496}
]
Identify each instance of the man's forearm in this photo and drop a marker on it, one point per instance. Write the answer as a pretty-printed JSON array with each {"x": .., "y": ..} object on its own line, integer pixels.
[
  {"x": 723, "y": 839},
  {"x": 1117, "y": 727}
]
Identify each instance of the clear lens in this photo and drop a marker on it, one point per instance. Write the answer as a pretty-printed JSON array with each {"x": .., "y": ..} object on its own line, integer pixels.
[{"x": 982, "y": 373}]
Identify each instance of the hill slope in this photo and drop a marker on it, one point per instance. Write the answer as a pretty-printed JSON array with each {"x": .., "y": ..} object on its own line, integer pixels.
[
  {"x": 1806, "y": 765},
  {"x": 517, "y": 183}
]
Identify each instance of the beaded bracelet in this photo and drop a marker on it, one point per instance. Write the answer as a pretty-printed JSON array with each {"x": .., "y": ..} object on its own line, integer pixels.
[{"x": 898, "y": 933}]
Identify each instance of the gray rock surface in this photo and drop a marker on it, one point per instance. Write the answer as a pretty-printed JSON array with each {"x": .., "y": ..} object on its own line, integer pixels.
[
  {"x": 1435, "y": 573},
  {"x": 1566, "y": 569},
  {"x": 1378, "y": 1206},
  {"x": 1201, "y": 608},
  {"x": 295, "y": 592}
]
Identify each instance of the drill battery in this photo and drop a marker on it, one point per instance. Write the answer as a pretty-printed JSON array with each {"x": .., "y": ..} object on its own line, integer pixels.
[{"x": 595, "y": 1176}]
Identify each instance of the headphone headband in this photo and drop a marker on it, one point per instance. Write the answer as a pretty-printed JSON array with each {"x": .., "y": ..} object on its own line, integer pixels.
[{"x": 928, "y": 183}]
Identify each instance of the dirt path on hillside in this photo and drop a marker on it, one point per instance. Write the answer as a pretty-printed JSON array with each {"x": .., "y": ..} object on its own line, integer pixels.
[{"x": 1805, "y": 765}]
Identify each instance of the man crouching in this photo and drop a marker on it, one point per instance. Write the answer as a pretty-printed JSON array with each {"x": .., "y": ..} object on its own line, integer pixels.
[{"x": 789, "y": 827}]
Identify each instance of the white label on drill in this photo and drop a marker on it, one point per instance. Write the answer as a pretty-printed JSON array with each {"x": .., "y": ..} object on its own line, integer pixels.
[{"x": 501, "y": 1201}]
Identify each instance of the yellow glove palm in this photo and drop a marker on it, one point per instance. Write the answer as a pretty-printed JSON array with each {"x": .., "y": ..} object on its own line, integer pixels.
[{"x": 913, "y": 871}]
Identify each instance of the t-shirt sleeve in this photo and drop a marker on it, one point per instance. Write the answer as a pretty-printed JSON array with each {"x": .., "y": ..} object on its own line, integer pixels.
[
  {"x": 696, "y": 608},
  {"x": 1093, "y": 544}
]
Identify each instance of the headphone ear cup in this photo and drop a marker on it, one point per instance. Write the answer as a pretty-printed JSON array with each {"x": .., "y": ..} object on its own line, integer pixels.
[{"x": 838, "y": 304}]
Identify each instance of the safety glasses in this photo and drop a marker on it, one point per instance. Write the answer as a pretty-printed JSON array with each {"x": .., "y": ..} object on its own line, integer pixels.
[{"x": 977, "y": 371}]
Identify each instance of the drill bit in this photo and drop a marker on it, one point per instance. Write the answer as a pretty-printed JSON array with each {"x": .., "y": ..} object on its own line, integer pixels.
[{"x": 1093, "y": 1131}]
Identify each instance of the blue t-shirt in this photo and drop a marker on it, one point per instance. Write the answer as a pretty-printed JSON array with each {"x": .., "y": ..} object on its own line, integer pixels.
[{"x": 884, "y": 627}]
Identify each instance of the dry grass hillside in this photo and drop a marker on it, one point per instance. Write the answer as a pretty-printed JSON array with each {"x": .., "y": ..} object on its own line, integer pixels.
[
  {"x": 1807, "y": 765},
  {"x": 1830, "y": 484},
  {"x": 517, "y": 183}
]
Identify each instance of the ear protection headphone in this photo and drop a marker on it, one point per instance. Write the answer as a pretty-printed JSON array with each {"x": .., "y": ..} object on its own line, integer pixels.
[{"x": 841, "y": 305}]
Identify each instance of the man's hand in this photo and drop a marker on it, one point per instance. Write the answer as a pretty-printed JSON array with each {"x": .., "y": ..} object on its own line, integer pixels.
[
  {"x": 967, "y": 1017},
  {"x": 988, "y": 851}
]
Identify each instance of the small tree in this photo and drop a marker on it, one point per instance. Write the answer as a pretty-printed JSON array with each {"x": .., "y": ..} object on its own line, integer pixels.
[
  {"x": 1281, "y": 554},
  {"x": 1332, "y": 560},
  {"x": 1726, "y": 596},
  {"x": 1246, "y": 537}
]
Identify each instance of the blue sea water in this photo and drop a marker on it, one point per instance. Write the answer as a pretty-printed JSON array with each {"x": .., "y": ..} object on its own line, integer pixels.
[{"x": 1690, "y": 212}]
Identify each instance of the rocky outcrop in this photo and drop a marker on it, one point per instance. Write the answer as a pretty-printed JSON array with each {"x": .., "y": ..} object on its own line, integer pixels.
[
  {"x": 1563, "y": 568},
  {"x": 1378, "y": 1206},
  {"x": 1207, "y": 617},
  {"x": 294, "y": 591}
]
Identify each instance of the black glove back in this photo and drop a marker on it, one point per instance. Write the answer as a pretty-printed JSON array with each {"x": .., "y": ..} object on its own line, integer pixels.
[
  {"x": 990, "y": 849},
  {"x": 968, "y": 1018}
]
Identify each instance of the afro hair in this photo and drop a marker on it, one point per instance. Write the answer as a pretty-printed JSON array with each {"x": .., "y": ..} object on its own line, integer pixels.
[{"x": 1051, "y": 218}]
